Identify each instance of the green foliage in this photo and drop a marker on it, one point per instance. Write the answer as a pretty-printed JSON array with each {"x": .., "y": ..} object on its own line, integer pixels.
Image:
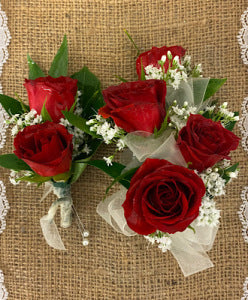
[
  {"x": 79, "y": 123},
  {"x": 34, "y": 178},
  {"x": 115, "y": 171},
  {"x": 233, "y": 168},
  {"x": 214, "y": 85},
  {"x": 11, "y": 161},
  {"x": 230, "y": 125},
  {"x": 59, "y": 65},
  {"x": 12, "y": 106},
  {"x": 34, "y": 70},
  {"x": 45, "y": 114},
  {"x": 143, "y": 75},
  {"x": 89, "y": 85},
  {"x": 76, "y": 170}
]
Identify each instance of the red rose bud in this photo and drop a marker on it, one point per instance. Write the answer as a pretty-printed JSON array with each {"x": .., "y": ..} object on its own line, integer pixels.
[
  {"x": 154, "y": 55},
  {"x": 204, "y": 142},
  {"x": 59, "y": 94},
  {"x": 162, "y": 196},
  {"x": 46, "y": 148},
  {"x": 136, "y": 106}
]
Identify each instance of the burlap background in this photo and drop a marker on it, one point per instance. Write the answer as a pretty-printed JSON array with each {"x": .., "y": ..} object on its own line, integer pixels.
[{"x": 114, "y": 266}]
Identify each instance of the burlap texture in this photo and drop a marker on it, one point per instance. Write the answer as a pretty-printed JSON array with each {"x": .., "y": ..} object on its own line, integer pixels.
[{"x": 114, "y": 266}]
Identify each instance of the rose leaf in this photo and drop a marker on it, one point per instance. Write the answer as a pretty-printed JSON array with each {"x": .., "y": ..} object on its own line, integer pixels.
[
  {"x": 34, "y": 70},
  {"x": 59, "y": 65},
  {"x": 11, "y": 161}
]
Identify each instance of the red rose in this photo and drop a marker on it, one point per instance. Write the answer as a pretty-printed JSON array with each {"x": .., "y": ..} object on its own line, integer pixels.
[
  {"x": 152, "y": 57},
  {"x": 59, "y": 94},
  {"x": 46, "y": 148},
  {"x": 136, "y": 106},
  {"x": 204, "y": 142},
  {"x": 162, "y": 196}
]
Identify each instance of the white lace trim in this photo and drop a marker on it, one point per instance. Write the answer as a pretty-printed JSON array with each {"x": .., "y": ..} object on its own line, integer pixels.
[
  {"x": 243, "y": 213},
  {"x": 243, "y": 37},
  {"x": 4, "y": 42},
  {"x": 4, "y": 206},
  {"x": 245, "y": 289},
  {"x": 3, "y": 291}
]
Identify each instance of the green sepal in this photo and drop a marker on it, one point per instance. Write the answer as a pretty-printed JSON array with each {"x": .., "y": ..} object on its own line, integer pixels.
[
  {"x": 35, "y": 178},
  {"x": 11, "y": 161},
  {"x": 214, "y": 85},
  {"x": 34, "y": 70},
  {"x": 59, "y": 65},
  {"x": 142, "y": 75},
  {"x": 45, "y": 114},
  {"x": 12, "y": 106},
  {"x": 62, "y": 176},
  {"x": 77, "y": 169}
]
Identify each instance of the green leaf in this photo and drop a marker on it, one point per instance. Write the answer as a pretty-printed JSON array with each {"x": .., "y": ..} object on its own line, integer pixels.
[
  {"x": 113, "y": 171},
  {"x": 143, "y": 75},
  {"x": 213, "y": 86},
  {"x": 11, "y": 161},
  {"x": 233, "y": 168},
  {"x": 123, "y": 179},
  {"x": 76, "y": 170},
  {"x": 93, "y": 144},
  {"x": 35, "y": 178},
  {"x": 230, "y": 125},
  {"x": 79, "y": 123},
  {"x": 45, "y": 114},
  {"x": 34, "y": 70},
  {"x": 11, "y": 105},
  {"x": 89, "y": 85},
  {"x": 59, "y": 65}
]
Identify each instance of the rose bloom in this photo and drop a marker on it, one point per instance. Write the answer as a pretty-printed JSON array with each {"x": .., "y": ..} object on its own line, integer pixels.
[
  {"x": 204, "y": 142},
  {"x": 46, "y": 148},
  {"x": 152, "y": 57},
  {"x": 136, "y": 106},
  {"x": 162, "y": 196},
  {"x": 59, "y": 94}
]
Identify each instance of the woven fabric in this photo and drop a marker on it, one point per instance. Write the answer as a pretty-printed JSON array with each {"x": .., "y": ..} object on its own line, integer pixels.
[{"x": 114, "y": 266}]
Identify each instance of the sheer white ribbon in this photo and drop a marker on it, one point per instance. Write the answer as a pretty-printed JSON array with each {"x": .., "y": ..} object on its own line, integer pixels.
[{"x": 48, "y": 226}]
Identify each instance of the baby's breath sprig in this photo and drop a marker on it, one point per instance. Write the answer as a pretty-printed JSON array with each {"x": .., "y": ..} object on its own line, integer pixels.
[{"x": 162, "y": 238}]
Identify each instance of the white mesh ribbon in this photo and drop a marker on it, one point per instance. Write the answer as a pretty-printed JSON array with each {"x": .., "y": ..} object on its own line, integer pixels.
[
  {"x": 48, "y": 226},
  {"x": 192, "y": 91}
]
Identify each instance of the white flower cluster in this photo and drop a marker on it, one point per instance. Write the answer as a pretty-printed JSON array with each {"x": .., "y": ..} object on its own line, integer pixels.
[
  {"x": 173, "y": 76},
  {"x": 14, "y": 175},
  {"x": 226, "y": 115},
  {"x": 79, "y": 138},
  {"x": 214, "y": 183},
  {"x": 163, "y": 239},
  {"x": 109, "y": 132},
  {"x": 179, "y": 115},
  {"x": 176, "y": 73},
  {"x": 209, "y": 215},
  {"x": 196, "y": 71},
  {"x": 24, "y": 120}
]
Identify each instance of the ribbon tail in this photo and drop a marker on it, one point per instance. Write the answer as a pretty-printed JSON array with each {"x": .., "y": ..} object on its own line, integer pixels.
[
  {"x": 51, "y": 233},
  {"x": 190, "y": 255}
]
